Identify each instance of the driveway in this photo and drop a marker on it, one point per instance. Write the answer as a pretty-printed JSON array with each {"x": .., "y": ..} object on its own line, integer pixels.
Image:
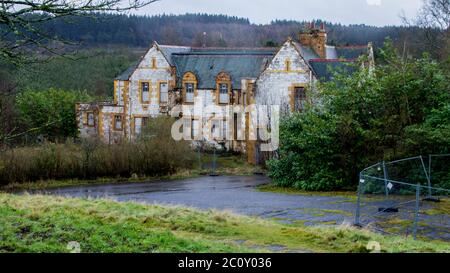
[
  {"x": 234, "y": 193},
  {"x": 239, "y": 194}
]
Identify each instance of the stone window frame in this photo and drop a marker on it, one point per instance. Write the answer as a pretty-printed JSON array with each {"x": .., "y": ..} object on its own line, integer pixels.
[
  {"x": 158, "y": 88},
  {"x": 141, "y": 100},
  {"x": 134, "y": 121},
  {"x": 87, "y": 113},
  {"x": 114, "y": 116},
  {"x": 189, "y": 78},
  {"x": 223, "y": 78}
]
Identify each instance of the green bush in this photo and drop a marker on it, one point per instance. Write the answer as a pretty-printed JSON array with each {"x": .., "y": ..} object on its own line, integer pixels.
[
  {"x": 51, "y": 112},
  {"x": 149, "y": 156},
  {"x": 400, "y": 109}
]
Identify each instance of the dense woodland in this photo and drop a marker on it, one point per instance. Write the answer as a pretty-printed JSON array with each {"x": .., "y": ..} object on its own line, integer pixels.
[{"x": 221, "y": 30}]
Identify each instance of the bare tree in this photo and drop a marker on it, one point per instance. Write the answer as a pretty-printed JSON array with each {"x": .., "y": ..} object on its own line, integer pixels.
[
  {"x": 434, "y": 17},
  {"x": 21, "y": 22}
]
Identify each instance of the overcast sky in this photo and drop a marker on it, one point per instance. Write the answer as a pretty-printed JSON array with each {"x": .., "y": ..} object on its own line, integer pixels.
[{"x": 372, "y": 12}]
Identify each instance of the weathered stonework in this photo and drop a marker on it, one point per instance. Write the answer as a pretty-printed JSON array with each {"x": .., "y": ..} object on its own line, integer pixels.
[{"x": 220, "y": 77}]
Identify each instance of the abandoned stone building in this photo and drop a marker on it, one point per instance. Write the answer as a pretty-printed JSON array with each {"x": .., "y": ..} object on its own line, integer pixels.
[{"x": 169, "y": 76}]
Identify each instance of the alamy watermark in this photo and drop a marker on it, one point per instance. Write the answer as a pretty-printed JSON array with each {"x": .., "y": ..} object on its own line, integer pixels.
[{"x": 215, "y": 123}]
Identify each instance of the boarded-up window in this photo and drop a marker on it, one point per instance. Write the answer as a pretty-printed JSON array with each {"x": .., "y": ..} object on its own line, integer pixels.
[
  {"x": 225, "y": 129},
  {"x": 140, "y": 123},
  {"x": 145, "y": 92},
  {"x": 187, "y": 133},
  {"x": 90, "y": 119},
  {"x": 223, "y": 93},
  {"x": 215, "y": 129},
  {"x": 145, "y": 122},
  {"x": 118, "y": 122},
  {"x": 189, "y": 92},
  {"x": 299, "y": 98},
  {"x": 195, "y": 128},
  {"x": 163, "y": 92}
]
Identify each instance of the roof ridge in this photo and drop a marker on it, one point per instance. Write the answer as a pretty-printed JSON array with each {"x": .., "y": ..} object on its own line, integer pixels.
[
  {"x": 236, "y": 48},
  {"x": 331, "y": 60},
  {"x": 175, "y": 46},
  {"x": 220, "y": 55}
]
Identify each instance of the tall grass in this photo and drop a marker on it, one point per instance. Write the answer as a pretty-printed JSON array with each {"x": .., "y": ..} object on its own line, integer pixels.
[{"x": 155, "y": 153}]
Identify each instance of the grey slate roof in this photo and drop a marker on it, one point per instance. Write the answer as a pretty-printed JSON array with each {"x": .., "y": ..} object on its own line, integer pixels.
[
  {"x": 168, "y": 51},
  {"x": 239, "y": 63},
  {"x": 206, "y": 64},
  {"x": 307, "y": 52}
]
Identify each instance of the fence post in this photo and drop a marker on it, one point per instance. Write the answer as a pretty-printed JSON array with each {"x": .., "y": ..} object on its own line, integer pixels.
[
  {"x": 429, "y": 167},
  {"x": 199, "y": 158},
  {"x": 214, "y": 161},
  {"x": 358, "y": 202},
  {"x": 427, "y": 176},
  {"x": 416, "y": 216},
  {"x": 385, "y": 178}
]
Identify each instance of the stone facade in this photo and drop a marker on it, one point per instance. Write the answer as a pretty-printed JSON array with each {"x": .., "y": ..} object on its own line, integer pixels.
[{"x": 169, "y": 78}]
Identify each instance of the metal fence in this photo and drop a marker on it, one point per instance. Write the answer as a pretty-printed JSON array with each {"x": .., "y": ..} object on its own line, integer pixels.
[{"x": 408, "y": 197}]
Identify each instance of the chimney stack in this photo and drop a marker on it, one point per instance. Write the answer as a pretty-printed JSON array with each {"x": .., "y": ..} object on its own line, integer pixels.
[{"x": 315, "y": 38}]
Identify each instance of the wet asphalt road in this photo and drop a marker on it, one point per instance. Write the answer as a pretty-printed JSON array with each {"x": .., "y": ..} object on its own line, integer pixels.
[{"x": 234, "y": 193}]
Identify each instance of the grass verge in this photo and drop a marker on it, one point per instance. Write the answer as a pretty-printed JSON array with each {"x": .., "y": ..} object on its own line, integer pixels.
[
  {"x": 276, "y": 189},
  {"x": 35, "y": 223}
]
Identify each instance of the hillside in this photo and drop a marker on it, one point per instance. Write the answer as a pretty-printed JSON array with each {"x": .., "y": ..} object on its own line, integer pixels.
[{"x": 221, "y": 30}]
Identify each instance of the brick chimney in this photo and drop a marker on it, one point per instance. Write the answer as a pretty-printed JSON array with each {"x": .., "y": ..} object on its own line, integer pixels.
[{"x": 316, "y": 38}]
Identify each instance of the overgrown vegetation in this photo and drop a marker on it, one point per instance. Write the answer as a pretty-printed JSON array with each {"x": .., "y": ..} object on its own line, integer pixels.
[
  {"x": 38, "y": 99},
  {"x": 155, "y": 154},
  {"x": 400, "y": 109},
  {"x": 48, "y": 224},
  {"x": 50, "y": 113}
]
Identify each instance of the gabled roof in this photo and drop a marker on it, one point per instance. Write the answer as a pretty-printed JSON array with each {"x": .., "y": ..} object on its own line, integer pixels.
[
  {"x": 207, "y": 63},
  {"x": 239, "y": 63}
]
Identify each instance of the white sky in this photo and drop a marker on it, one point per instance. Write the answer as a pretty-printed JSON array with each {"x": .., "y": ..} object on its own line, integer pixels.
[{"x": 371, "y": 12}]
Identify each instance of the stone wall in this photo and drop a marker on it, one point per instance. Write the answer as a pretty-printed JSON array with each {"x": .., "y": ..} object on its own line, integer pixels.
[{"x": 275, "y": 83}]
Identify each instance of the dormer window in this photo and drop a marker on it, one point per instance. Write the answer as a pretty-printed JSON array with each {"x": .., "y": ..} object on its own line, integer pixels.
[
  {"x": 189, "y": 88},
  {"x": 223, "y": 92},
  {"x": 189, "y": 92}
]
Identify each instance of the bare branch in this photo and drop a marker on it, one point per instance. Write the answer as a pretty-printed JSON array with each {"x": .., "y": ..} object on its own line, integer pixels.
[{"x": 21, "y": 21}]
